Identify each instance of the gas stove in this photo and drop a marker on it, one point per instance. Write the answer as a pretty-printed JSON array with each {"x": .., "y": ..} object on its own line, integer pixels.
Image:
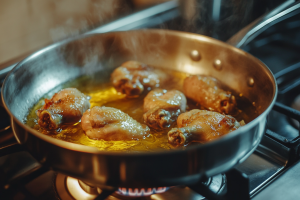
[{"x": 272, "y": 171}]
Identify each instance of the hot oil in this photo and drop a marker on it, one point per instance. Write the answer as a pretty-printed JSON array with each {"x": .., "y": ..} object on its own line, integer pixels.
[{"x": 102, "y": 93}]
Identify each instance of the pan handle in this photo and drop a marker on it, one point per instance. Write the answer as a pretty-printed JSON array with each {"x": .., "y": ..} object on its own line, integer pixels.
[{"x": 285, "y": 10}]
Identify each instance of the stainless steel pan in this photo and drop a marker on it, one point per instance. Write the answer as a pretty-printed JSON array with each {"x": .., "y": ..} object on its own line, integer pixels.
[{"x": 195, "y": 54}]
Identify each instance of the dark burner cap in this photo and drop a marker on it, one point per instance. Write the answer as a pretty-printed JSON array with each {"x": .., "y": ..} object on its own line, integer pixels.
[{"x": 140, "y": 192}]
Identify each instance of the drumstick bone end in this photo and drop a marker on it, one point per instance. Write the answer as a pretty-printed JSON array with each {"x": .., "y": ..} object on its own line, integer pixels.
[{"x": 48, "y": 120}]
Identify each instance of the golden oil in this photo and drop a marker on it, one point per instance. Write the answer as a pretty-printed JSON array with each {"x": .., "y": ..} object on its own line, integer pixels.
[{"x": 102, "y": 93}]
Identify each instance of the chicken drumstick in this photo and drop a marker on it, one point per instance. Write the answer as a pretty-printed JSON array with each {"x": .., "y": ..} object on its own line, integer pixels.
[{"x": 201, "y": 125}]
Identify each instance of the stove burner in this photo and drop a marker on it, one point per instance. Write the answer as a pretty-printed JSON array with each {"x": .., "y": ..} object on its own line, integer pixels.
[
  {"x": 138, "y": 192},
  {"x": 68, "y": 188}
]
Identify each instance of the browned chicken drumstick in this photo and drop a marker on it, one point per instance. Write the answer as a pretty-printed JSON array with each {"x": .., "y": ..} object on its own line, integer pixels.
[
  {"x": 132, "y": 77},
  {"x": 162, "y": 107},
  {"x": 202, "y": 126},
  {"x": 111, "y": 124},
  {"x": 66, "y": 106},
  {"x": 206, "y": 91}
]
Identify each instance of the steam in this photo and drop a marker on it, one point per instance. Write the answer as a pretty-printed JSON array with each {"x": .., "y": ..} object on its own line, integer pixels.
[
  {"x": 84, "y": 15},
  {"x": 106, "y": 51},
  {"x": 70, "y": 28},
  {"x": 216, "y": 18},
  {"x": 140, "y": 43},
  {"x": 220, "y": 19}
]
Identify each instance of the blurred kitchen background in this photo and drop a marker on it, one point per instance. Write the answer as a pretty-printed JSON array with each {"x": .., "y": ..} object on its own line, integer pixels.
[{"x": 29, "y": 25}]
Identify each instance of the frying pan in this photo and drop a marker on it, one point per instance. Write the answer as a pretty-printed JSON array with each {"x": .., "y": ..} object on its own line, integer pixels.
[
  {"x": 35, "y": 76},
  {"x": 94, "y": 54}
]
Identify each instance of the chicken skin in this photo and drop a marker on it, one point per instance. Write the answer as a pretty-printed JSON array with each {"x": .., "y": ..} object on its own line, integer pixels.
[
  {"x": 205, "y": 90},
  {"x": 202, "y": 126},
  {"x": 132, "y": 77},
  {"x": 66, "y": 106},
  {"x": 111, "y": 124},
  {"x": 162, "y": 107}
]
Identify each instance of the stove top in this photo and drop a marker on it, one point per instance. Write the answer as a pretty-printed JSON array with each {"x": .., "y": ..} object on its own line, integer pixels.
[{"x": 272, "y": 171}]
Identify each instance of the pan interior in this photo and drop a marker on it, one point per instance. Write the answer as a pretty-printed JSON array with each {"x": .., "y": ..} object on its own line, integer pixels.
[{"x": 102, "y": 93}]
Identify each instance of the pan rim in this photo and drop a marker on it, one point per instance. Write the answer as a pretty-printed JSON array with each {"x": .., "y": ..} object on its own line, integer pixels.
[{"x": 94, "y": 150}]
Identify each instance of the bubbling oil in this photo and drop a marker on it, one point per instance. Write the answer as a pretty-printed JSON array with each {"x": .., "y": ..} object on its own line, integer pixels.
[{"x": 102, "y": 93}]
